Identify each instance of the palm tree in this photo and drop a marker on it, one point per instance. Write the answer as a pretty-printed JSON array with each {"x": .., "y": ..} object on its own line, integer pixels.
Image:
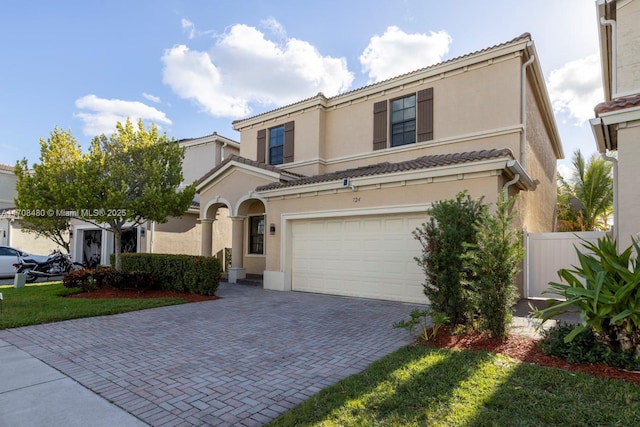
[{"x": 585, "y": 200}]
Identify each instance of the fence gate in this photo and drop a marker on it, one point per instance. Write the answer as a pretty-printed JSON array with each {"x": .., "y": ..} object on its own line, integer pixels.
[{"x": 546, "y": 253}]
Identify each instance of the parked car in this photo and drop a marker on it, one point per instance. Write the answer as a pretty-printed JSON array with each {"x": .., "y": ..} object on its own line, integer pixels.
[{"x": 10, "y": 256}]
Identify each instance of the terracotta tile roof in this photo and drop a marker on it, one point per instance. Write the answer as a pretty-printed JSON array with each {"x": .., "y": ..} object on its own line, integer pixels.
[
  {"x": 425, "y": 162},
  {"x": 320, "y": 95},
  {"x": 244, "y": 160},
  {"x": 618, "y": 104}
]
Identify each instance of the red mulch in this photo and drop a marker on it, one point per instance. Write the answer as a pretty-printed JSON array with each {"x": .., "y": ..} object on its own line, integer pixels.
[
  {"x": 523, "y": 348},
  {"x": 118, "y": 293}
]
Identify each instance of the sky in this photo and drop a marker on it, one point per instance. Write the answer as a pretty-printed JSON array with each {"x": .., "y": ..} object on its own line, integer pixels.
[{"x": 193, "y": 66}]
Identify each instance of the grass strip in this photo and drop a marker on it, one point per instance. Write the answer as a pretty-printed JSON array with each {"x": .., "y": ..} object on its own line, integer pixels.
[
  {"x": 45, "y": 303},
  {"x": 439, "y": 387}
]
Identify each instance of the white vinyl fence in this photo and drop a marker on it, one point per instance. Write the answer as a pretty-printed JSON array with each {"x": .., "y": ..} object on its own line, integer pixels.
[{"x": 546, "y": 253}]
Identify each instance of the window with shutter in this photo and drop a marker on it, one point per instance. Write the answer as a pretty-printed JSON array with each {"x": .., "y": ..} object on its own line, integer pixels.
[
  {"x": 380, "y": 125},
  {"x": 288, "y": 142},
  {"x": 276, "y": 145},
  {"x": 262, "y": 145},
  {"x": 403, "y": 121},
  {"x": 425, "y": 115},
  {"x": 410, "y": 120}
]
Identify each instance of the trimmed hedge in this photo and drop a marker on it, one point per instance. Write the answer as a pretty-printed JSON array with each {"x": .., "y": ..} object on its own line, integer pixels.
[
  {"x": 107, "y": 277},
  {"x": 181, "y": 273}
]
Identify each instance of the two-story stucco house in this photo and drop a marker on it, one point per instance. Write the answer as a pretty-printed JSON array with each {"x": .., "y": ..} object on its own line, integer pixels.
[
  {"x": 617, "y": 123},
  {"x": 326, "y": 192}
]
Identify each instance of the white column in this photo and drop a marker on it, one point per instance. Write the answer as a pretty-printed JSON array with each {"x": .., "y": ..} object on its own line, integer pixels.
[
  {"x": 237, "y": 249},
  {"x": 207, "y": 231}
]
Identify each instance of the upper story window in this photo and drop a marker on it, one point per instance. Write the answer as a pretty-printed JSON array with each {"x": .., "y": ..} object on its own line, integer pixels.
[
  {"x": 404, "y": 120},
  {"x": 275, "y": 145},
  {"x": 256, "y": 235}
]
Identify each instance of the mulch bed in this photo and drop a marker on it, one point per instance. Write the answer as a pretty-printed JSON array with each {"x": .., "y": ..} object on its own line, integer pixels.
[
  {"x": 130, "y": 293},
  {"x": 523, "y": 348}
]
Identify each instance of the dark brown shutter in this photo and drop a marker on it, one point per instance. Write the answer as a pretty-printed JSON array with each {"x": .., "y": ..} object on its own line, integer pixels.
[
  {"x": 262, "y": 145},
  {"x": 425, "y": 115},
  {"x": 288, "y": 142},
  {"x": 380, "y": 125}
]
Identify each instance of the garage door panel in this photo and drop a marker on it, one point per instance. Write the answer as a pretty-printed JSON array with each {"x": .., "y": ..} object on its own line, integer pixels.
[{"x": 369, "y": 257}]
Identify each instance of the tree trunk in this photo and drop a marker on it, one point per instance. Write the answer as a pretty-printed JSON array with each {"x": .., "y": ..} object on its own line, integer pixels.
[{"x": 117, "y": 239}]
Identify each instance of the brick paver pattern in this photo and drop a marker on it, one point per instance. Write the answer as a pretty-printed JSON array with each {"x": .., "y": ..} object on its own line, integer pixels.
[{"x": 240, "y": 360}]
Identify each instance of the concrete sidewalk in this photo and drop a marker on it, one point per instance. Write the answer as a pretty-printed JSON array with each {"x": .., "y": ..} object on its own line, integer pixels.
[{"x": 34, "y": 394}]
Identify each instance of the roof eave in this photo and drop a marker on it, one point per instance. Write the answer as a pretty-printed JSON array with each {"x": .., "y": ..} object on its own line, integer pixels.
[
  {"x": 604, "y": 38},
  {"x": 497, "y": 164},
  {"x": 543, "y": 93},
  {"x": 514, "y": 168},
  {"x": 320, "y": 101}
]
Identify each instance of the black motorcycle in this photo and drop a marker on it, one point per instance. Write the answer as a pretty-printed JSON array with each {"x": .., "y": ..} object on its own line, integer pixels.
[{"x": 56, "y": 264}]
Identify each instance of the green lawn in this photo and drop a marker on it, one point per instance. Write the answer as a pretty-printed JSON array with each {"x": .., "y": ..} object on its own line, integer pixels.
[
  {"x": 44, "y": 303},
  {"x": 438, "y": 387}
]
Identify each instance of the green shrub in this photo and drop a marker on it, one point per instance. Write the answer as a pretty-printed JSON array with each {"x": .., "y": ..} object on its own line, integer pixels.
[
  {"x": 82, "y": 279},
  {"x": 444, "y": 238},
  {"x": 584, "y": 348},
  {"x": 107, "y": 277},
  {"x": 181, "y": 273},
  {"x": 494, "y": 261},
  {"x": 609, "y": 300}
]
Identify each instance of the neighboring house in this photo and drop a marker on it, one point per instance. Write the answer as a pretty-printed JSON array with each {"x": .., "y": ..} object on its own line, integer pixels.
[
  {"x": 617, "y": 123},
  {"x": 11, "y": 232},
  {"x": 326, "y": 192},
  {"x": 93, "y": 245}
]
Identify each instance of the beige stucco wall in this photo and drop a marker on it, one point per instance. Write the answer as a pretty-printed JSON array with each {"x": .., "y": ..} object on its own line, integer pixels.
[
  {"x": 345, "y": 201},
  {"x": 184, "y": 235},
  {"x": 479, "y": 100},
  {"x": 628, "y": 193},
  {"x": 628, "y": 46},
  {"x": 537, "y": 209},
  {"x": 202, "y": 157},
  {"x": 29, "y": 242}
]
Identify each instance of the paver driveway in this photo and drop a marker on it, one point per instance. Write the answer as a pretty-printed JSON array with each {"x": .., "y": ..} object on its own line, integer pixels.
[{"x": 239, "y": 360}]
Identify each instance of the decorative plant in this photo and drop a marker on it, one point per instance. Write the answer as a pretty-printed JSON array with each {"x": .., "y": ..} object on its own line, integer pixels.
[
  {"x": 421, "y": 318},
  {"x": 444, "y": 239},
  {"x": 605, "y": 288},
  {"x": 494, "y": 260}
]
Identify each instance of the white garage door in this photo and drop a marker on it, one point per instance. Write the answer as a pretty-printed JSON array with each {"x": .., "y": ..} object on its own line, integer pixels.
[{"x": 367, "y": 256}]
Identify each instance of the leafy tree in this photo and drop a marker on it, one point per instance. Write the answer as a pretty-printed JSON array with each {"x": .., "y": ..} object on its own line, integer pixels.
[
  {"x": 444, "y": 238},
  {"x": 45, "y": 187},
  {"x": 585, "y": 199},
  {"x": 494, "y": 260},
  {"x": 123, "y": 180},
  {"x": 131, "y": 177}
]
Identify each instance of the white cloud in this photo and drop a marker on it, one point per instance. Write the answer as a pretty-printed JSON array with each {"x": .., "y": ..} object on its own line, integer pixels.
[
  {"x": 576, "y": 88},
  {"x": 189, "y": 27},
  {"x": 245, "y": 68},
  {"x": 565, "y": 171},
  {"x": 274, "y": 26},
  {"x": 100, "y": 115},
  {"x": 396, "y": 52},
  {"x": 151, "y": 98}
]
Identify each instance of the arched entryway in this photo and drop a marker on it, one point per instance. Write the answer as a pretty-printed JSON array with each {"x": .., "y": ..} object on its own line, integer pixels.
[
  {"x": 249, "y": 239},
  {"x": 246, "y": 223}
]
